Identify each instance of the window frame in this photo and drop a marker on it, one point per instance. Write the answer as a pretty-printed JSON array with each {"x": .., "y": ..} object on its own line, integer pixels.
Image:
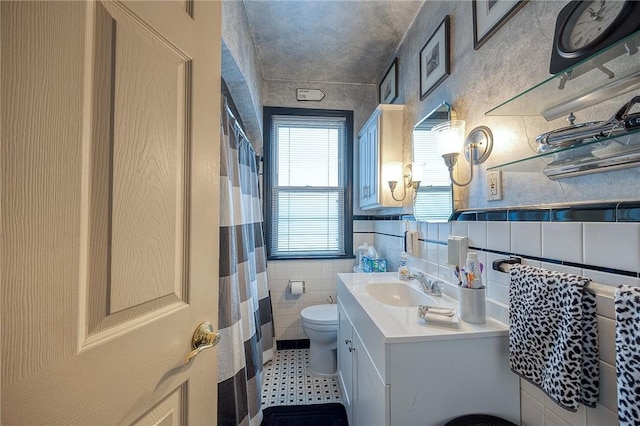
[{"x": 268, "y": 113}]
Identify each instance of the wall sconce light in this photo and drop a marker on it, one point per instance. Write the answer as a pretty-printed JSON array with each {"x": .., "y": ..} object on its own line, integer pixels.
[
  {"x": 407, "y": 182},
  {"x": 450, "y": 140}
]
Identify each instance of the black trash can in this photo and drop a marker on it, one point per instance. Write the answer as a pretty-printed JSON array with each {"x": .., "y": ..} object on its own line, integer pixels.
[{"x": 479, "y": 420}]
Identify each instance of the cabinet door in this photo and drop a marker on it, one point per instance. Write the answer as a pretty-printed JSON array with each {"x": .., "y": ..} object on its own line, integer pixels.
[
  {"x": 371, "y": 404},
  {"x": 369, "y": 156},
  {"x": 364, "y": 169},
  {"x": 374, "y": 152},
  {"x": 345, "y": 359}
]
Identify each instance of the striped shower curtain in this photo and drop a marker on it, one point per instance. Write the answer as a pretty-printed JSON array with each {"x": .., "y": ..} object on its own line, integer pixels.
[{"x": 245, "y": 316}]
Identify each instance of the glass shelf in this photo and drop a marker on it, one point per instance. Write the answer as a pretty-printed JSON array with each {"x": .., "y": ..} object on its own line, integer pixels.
[
  {"x": 606, "y": 74},
  {"x": 617, "y": 152}
]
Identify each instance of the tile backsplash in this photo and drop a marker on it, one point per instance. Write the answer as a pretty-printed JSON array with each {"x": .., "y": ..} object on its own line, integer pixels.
[
  {"x": 320, "y": 287},
  {"x": 600, "y": 248},
  {"x": 602, "y": 244}
]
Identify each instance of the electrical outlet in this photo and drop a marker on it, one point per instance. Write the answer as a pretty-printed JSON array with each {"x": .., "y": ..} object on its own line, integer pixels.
[{"x": 494, "y": 186}]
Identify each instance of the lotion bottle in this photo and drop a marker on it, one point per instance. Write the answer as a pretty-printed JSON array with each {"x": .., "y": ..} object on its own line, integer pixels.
[{"x": 403, "y": 268}]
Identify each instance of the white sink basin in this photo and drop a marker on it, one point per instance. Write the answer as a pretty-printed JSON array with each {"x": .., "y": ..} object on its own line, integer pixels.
[{"x": 398, "y": 294}]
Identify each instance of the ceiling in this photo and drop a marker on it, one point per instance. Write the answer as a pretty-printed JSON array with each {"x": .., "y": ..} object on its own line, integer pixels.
[{"x": 348, "y": 41}]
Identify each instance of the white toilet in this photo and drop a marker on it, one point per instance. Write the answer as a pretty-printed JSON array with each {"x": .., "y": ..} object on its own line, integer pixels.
[{"x": 320, "y": 324}]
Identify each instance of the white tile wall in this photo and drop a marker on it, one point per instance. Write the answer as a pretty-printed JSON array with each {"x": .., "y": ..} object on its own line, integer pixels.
[
  {"x": 562, "y": 241},
  {"x": 320, "y": 283},
  {"x": 478, "y": 234},
  {"x": 526, "y": 238},
  {"x": 613, "y": 245},
  {"x": 498, "y": 235},
  {"x": 610, "y": 245}
]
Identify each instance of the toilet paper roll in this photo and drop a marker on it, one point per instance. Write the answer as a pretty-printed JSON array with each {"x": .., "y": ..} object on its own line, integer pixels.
[{"x": 296, "y": 287}]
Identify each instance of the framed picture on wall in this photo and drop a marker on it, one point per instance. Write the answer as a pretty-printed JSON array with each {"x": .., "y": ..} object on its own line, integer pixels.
[
  {"x": 489, "y": 16},
  {"x": 434, "y": 59},
  {"x": 388, "y": 89}
]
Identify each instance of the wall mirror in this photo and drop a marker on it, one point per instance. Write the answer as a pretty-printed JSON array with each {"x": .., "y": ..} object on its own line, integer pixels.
[{"x": 434, "y": 201}]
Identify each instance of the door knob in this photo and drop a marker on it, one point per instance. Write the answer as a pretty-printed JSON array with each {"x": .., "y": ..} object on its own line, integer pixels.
[{"x": 203, "y": 338}]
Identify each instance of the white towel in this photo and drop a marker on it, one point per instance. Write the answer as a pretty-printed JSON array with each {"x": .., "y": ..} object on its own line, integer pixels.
[
  {"x": 627, "y": 303},
  {"x": 553, "y": 335},
  {"x": 436, "y": 310},
  {"x": 437, "y": 315}
]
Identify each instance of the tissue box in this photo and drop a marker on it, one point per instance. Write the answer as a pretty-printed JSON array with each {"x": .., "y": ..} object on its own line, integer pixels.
[{"x": 374, "y": 265}]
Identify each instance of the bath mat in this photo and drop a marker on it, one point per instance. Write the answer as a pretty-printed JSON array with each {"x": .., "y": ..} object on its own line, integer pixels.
[{"x": 332, "y": 414}]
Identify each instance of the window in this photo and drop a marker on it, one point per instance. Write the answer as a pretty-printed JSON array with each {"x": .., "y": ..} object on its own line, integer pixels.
[
  {"x": 308, "y": 183},
  {"x": 434, "y": 200}
]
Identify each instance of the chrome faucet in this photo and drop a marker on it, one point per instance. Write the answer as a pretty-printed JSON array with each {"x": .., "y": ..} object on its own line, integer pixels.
[{"x": 428, "y": 286}]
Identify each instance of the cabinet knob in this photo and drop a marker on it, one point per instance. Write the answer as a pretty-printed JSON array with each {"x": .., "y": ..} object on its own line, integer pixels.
[
  {"x": 351, "y": 349},
  {"x": 347, "y": 341}
]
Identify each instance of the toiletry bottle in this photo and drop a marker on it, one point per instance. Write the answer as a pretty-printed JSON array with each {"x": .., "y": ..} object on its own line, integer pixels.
[
  {"x": 473, "y": 271},
  {"x": 362, "y": 252},
  {"x": 372, "y": 253},
  {"x": 403, "y": 268}
]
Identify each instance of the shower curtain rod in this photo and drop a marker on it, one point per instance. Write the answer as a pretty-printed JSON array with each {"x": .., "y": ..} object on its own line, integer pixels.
[{"x": 237, "y": 124}]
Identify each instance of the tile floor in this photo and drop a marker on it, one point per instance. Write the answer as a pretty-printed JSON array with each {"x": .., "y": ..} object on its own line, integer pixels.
[{"x": 286, "y": 381}]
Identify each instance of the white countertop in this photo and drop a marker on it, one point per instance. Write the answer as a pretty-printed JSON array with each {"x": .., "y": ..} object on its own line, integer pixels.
[{"x": 401, "y": 324}]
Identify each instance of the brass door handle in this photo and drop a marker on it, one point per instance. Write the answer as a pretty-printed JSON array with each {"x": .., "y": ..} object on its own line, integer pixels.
[{"x": 203, "y": 338}]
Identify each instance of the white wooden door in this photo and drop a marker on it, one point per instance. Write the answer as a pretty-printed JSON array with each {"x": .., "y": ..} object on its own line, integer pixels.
[{"x": 110, "y": 163}]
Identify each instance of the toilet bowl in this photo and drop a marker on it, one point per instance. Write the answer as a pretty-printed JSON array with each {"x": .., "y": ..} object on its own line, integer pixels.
[{"x": 320, "y": 324}]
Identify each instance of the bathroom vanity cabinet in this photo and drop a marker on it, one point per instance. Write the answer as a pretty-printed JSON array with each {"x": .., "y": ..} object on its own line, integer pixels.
[
  {"x": 380, "y": 143},
  {"x": 424, "y": 375}
]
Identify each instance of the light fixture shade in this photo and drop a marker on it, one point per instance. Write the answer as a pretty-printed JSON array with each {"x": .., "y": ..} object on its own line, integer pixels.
[
  {"x": 392, "y": 171},
  {"x": 449, "y": 136},
  {"x": 418, "y": 171}
]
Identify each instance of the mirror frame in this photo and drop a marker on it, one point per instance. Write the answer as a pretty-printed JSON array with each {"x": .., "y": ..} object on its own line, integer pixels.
[{"x": 443, "y": 112}]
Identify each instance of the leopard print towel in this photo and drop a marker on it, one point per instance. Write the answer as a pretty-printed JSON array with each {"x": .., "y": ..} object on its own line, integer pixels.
[
  {"x": 627, "y": 303},
  {"x": 553, "y": 335}
]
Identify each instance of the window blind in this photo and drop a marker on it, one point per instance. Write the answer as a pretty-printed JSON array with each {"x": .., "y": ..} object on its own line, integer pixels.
[
  {"x": 308, "y": 186},
  {"x": 434, "y": 199}
]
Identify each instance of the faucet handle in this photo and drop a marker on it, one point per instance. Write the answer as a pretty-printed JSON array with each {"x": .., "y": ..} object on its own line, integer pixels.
[{"x": 436, "y": 286}]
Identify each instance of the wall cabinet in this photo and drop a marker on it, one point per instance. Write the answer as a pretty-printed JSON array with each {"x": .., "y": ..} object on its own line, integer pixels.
[{"x": 380, "y": 142}]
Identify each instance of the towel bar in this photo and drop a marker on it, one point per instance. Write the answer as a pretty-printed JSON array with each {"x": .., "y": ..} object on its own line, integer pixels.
[{"x": 504, "y": 265}]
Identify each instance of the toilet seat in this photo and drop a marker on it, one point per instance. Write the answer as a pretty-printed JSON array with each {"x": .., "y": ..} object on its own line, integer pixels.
[{"x": 320, "y": 314}]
